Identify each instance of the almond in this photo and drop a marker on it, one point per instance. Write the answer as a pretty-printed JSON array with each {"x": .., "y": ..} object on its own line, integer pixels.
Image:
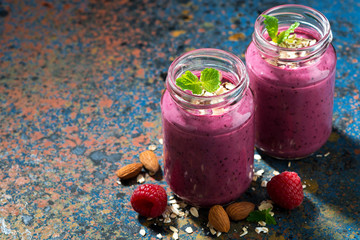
[
  {"x": 129, "y": 171},
  {"x": 240, "y": 210},
  {"x": 150, "y": 161},
  {"x": 219, "y": 219}
]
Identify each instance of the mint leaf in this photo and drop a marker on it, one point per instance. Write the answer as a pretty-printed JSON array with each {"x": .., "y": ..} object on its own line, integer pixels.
[
  {"x": 210, "y": 79},
  {"x": 271, "y": 24},
  {"x": 255, "y": 216},
  {"x": 270, "y": 220},
  {"x": 285, "y": 34},
  {"x": 263, "y": 215},
  {"x": 272, "y": 27},
  {"x": 189, "y": 81}
]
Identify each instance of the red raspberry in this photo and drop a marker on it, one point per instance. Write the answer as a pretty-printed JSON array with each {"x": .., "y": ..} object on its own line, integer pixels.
[
  {"x": 149, "y": 200},
  {"x": 286, "y": 190}
]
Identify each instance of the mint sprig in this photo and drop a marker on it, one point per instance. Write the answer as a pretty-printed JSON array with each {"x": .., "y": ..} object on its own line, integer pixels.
[
  {"x": 272, "y": 27},
  {"x": 210, "y": 80},
  {"x": 263, "y": 215}
]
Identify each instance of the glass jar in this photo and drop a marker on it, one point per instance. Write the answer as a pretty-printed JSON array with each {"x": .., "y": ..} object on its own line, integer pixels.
[
  {"x": 208, "y": 140},
  {"x": 293, "y": 87}
]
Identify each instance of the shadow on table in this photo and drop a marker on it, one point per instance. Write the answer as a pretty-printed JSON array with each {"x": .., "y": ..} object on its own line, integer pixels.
[
  {"x": 331, "y": 175},
  {"x": 330, "y": 208}
]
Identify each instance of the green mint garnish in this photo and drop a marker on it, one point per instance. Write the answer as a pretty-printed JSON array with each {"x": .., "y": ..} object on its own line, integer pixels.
[
  {"x": 188, "y": 81},
  {"x": 210, "y": 80},
  {"x": 263, "y": 215},
  {"x": 271, "y": 24}
]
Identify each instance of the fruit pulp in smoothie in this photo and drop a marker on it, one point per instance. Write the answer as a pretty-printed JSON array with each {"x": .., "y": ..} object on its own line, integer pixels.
[
  {"x": 208, "y": 157},
  {"x": 294, "y": 105}
]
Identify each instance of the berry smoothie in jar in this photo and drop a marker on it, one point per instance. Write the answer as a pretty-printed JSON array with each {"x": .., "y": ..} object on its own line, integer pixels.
[
  {"x": 208, "y": 127},
  {"x": 292, "y": 75}
]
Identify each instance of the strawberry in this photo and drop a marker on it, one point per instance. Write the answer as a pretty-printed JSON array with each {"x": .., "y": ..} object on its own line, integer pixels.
[
  {"x": 149, "y": 200},
  {"x": 286, "y": 190}
]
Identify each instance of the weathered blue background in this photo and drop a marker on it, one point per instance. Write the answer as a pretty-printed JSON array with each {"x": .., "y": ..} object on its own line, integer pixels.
[{"x": 80, "y": 85}]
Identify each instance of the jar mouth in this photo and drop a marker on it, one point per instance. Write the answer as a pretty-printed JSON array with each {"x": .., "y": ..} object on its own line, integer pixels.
[
  {"x": 311, "y": 21},
  {"x": 231, "y": 67}
]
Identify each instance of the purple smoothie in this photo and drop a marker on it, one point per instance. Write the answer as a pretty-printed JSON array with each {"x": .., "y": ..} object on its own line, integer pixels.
[
  {"x": 293, "y": 113},
  {"x": 208, "y": 158}
]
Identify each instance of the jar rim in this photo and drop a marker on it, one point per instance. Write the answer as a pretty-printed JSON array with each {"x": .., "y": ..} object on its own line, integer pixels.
[
  {"x": 272, "y": 50},
  {"x": 187, "y": 100}
]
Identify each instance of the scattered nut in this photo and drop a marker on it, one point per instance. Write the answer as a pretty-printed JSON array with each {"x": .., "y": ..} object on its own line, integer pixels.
[
  {"x": 129, "y": 171},
  {"x": 219, "y": 219},
  {"x": 150, "y": 161},
  {"x": 240, "y": 210}
]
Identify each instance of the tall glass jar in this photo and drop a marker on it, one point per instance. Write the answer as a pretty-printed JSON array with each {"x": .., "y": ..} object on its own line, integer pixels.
[
  {"x": 208, "y": 140},
  {"x": 293, "y": 87}
]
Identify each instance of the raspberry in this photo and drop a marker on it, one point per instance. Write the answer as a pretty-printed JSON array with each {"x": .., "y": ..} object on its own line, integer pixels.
[
  {"x": 149, "y": 200},
  {"x": 286, "y": 190}
]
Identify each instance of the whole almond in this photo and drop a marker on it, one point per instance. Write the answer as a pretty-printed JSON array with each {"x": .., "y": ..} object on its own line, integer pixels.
[
  {"x": 239, "y": 210},
  {"x": 150, "y": 161},
  {"x": 219, "y": 219},
  {"x": 129, "y": 171}
]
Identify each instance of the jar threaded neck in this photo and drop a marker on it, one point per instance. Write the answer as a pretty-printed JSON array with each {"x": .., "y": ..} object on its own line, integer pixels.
[
  {"x": 311, "y": 21},
  {"x": 197, "y": 60}
]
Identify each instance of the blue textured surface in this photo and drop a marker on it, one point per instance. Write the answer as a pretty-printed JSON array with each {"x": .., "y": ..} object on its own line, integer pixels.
[{"x": 80, "y": 88}]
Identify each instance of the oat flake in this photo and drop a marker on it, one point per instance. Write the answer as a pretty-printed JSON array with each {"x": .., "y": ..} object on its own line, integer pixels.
[
  {"x": 264, "y": 183},
  {"x": 259, "y": 172},
  {"x": 262, "y": 223},
  {"x": 258, "y": 230},
  {"x": 189, "y": 230},
  {"x": 194, "y": 212},
  {"x": 266, "y": 205},
  {"x": 152, "y": 147},
  {"x": 140, "y": 178},
  {"x": 142, "y": 232},
  {"x": 276, "y": 173},
  {"x": 173, "y": 229},
  {"x": 257, "y": 157},
  {"x": 175, "y": 235},
  {"x": 245, "y": 232}
]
